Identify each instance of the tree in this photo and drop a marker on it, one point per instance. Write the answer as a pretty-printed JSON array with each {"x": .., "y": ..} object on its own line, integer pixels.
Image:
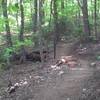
[
  {"x": 84, "y": 7},
  {"x": 55, "y": 15},
  {"x": 35, "y": 17},
  {"x": 17, "y": 6},
  {"x": 62, "y": 4},
  {"x": 39, "y": 29},
  {"x": 95, "y": 17},
  {"x": 8, "y": 34},
  {"x": 21, "y": 37}
]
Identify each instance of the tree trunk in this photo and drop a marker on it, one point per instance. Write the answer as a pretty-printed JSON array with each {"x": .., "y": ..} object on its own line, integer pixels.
[
  {"x": 79, "y": 18},
  {"x": 21, "y": 37},
  {"x": 17, "y": 14},
  {"x": 62, "y": 4},
  {"x": 95, "y": 17},
  {"x": 84, "y": 7},
  {"x": 35, "y": 17},
  {"x": 8, "y": 35},
  {"x": 55, "y": 15},
  {"x": 51, "y": 12},
  {"x": 92, "y": 12},
  {"x": 39, "y": 30},
  {"x": 31, "y": 10},
  {"x": 85, "y": 18},
  {"x": 98, "y": 7}
]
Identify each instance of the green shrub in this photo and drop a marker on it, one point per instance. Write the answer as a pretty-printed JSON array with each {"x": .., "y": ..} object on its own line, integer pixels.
[
  {"x": 3, "y": 67},
  {"x": 7, "y": 52}
]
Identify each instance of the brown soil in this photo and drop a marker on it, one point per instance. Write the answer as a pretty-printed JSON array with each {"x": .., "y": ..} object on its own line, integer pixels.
[{"x": 47, "y": 83}]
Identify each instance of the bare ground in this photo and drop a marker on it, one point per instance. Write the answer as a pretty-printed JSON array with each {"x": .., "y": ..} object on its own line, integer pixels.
[{"x": 46, "y": 83}]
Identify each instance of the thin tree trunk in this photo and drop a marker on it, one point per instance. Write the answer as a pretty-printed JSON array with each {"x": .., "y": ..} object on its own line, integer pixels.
[
  {"x": 17, "y": 14},
  {"x": 98, "y": 7},
  {"x": 42, "y": 13},
  {"x": 35, "y": 17},
  {"x": 62, "y": 4},
  {"x": 92, "y": 12},
  {"x": 21, "y": 37},
  {"x": 79, "y": 19},
  {"x": 62, "y": 22},
  {"x": 31, "y": 10},
  {"x": 7, "y": 27},
  {"x": 8, "y": 34},
  {"x": 39, "y": 30},
  {"x": 51, "y": 12},
  {"x": 95, "y": 17},
  {"x": 55, "y": 15}
]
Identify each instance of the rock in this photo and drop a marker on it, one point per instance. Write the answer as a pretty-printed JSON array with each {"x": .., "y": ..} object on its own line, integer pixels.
[
  {"x": 13, "y": 88},
  {"x": 53, "y": 66},
  {"x": 61, "y": 72},
  {"x": 84, "y": 90},
  {"x": 93, "y": 64}
]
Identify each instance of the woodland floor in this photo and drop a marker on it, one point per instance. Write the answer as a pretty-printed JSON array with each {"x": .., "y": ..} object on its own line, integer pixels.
[{"x": 81, "y": 82}]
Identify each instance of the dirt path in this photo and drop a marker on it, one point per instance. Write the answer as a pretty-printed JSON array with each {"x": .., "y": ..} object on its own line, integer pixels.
[
  {"x": 68, "y": 86},
  {"x": 63, "y": 83}
]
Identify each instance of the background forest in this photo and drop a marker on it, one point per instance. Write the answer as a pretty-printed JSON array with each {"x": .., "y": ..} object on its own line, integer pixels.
[{"x": 40, "y": 24}]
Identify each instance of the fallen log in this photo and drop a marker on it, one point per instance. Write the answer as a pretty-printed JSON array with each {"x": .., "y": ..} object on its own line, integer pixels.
[{"x": 33, "y": 56}]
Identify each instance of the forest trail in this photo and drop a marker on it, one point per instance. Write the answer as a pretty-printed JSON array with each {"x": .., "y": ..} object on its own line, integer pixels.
[
  {"x": 70, "y": 85},
  {"x": 63, "y": 83}
]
